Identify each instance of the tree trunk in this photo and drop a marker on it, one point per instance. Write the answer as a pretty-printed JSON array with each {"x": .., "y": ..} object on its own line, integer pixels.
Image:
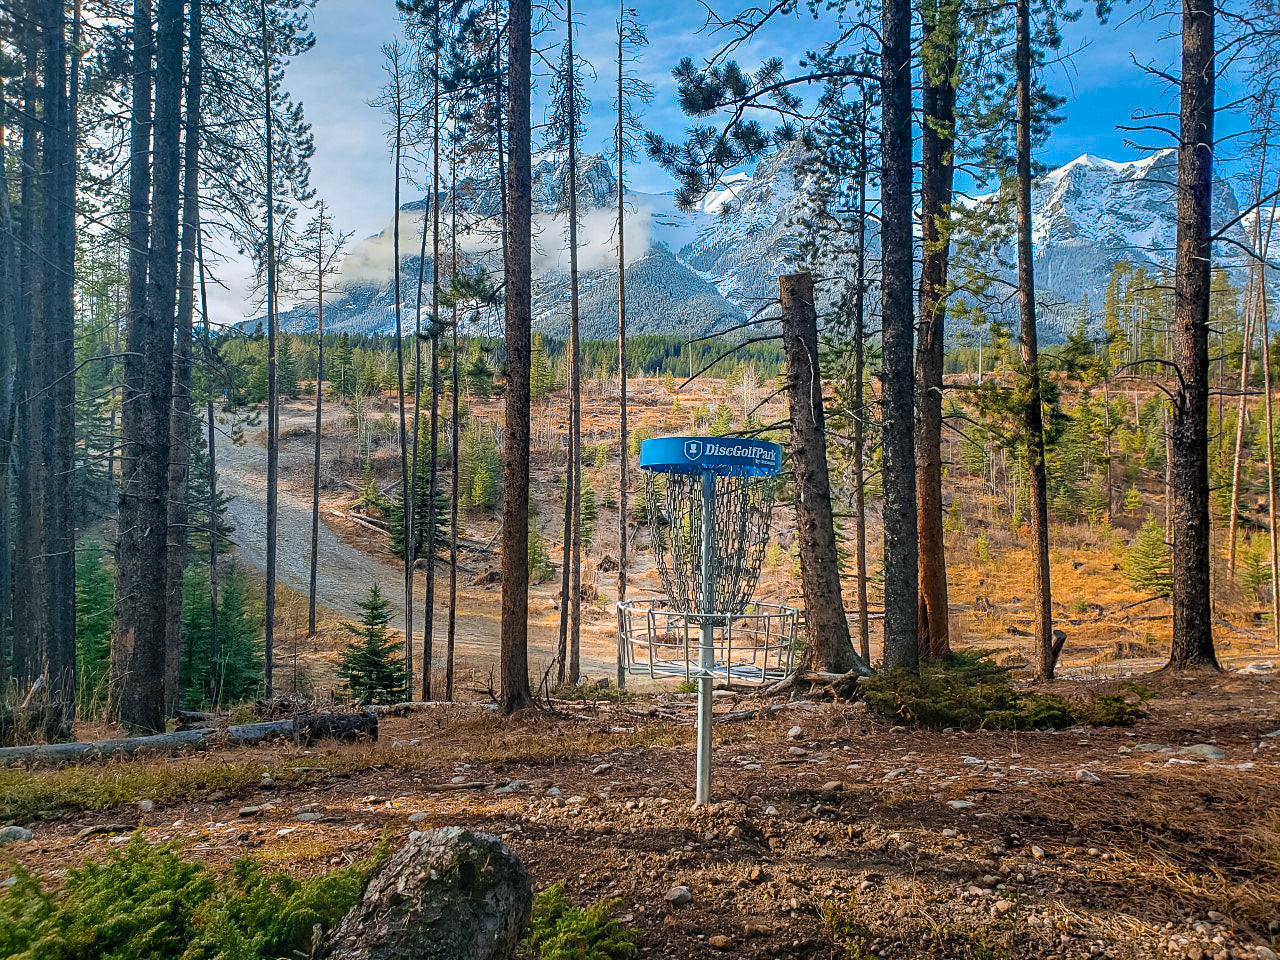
[
  {"x": 10, "y": 301},
  {"x": 429, "y": 617},
  {"x": 455, "y": 440},
  {"x": 574, "y": 558},
  {"x": 937, "y": 171},
  {"x": 1192, "y": 619},
  {"x": 315, "y": 462},
  {"x": 342, "y": 727},
  {"x": 1032, "y": 416},
  {"x": 180, "y": 424},
  {"x": 57, "y": 272},
  {"x": 829, "y": 647},
  {"x": 211, "y": 439},
  {"x": 623, "y": 452},
  {"x": 859, "y": 404},
  {"x": 28, "y": 551},
  {"x": 138, "y": 643},
  {"x": 273, "y": 372},
  {"x": 513, "y": 668},
  {"x": 901, "y": 544},
  {"x": 409, "y": 504}
]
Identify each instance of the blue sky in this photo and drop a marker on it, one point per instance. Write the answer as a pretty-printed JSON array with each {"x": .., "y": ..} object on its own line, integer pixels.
[{"x": 352, "y": 169}]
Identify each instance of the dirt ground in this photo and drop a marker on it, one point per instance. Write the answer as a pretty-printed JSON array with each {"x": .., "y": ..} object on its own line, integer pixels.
[{"x": 833, "y": 834}]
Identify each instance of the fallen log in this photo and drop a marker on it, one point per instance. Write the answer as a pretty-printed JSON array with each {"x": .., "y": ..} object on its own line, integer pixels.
[{"x": 301, "y": 730}]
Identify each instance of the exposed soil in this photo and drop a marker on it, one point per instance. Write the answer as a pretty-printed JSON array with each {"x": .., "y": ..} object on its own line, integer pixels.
[{"x": 1077, "y": 843}]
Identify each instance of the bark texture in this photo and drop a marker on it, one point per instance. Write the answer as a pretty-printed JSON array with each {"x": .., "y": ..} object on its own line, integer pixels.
[
  {"x": 901, "y": 545},
  {"x": 1189, "y": 469},
  {"x": 829, "y": 647},
  {"x": 138, "y": 641},
  {"x": 1033, "y": 418},
  {"x": 302, "y": 730},
  {"x": 447, "y": 894},
  {"x": 513, "y": 667},
  {"x": 937, "y": 173}
]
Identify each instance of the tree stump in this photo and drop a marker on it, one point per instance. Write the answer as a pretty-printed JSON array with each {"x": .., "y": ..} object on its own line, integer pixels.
[{"x": 448, "y": 894}]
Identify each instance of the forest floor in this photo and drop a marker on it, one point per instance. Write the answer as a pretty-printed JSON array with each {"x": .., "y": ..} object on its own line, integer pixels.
[{"x": 833, "y": 834}]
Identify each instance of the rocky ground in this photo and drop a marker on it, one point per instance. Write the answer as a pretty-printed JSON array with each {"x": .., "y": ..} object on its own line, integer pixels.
[{"x": 832, "y": 834}]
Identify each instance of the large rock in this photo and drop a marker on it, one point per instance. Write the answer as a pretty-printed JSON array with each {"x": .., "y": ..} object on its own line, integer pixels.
[{"x": 448, "y": 894}]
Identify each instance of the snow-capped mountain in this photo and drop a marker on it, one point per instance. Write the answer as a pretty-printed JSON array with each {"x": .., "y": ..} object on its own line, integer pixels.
[{"x": 701, "y": 270}]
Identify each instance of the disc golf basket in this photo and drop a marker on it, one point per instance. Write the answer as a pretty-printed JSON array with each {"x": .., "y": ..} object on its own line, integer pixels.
[{"x": 709, "y": 501}]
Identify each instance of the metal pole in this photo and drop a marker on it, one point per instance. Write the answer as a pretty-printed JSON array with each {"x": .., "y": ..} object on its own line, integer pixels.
[{"x": 706, "y": 658}]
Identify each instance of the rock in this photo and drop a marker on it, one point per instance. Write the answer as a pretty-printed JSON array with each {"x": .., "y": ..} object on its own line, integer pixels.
[
  {"x": 756, "y": 875},
  {"x": 1087, "y": 776},
  {"x": 1206, "y": 750},
  {"x": 795, "y": 733},
  {"x": 1037, "y": 853},
  {"x": 972, "y": 762},
  {"x": 797, "y": 751},
  {"x": 446, "y": 893},
  {"x": 1264, "y": 953},
  {"x": 762, "y": 930},
  {"x": 267, "y": 782},
  {"x": 719, "y": 942},
  {"x": 959, "y": 804},
  {"x": 678, "y": 896},
  {"x": 250, "y": 811},
  {"x": 1002, "y": 907},
  {"x": 1215, "y": 917},
  {"x": 14, "y": 835},
  {"x": 1151, "y": 748},
  {"x": 146, "y": 806},
  {"x": 898, "y": 729},
  {"x": 893, "y": 774},
  {"x": 417, "y": 817},
  {"x": 832, "y": 786},
  {"x": 310, "y": 816},
  {"x": 216, "y": 797}
]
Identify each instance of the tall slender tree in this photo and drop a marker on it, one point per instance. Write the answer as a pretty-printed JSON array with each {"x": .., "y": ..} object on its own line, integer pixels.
[
  {"x": 939, "y": 54},
  {"x": 1189, "y": 471},
  {"x": 1033, "y": 416},
  {"x": 901, "y": 546},
  {"x": 180, "y": 427},
  {"x": 138, "y": 644},
  {"x": 513, "y": 667}
]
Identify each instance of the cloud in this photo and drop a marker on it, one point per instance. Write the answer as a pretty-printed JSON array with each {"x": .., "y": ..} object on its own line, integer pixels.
[{"x": 370, "y": 260}]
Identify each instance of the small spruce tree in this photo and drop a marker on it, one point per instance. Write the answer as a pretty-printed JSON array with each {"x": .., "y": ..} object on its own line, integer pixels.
[
  {"x": 371, "y": 664},
  {"x": 1148, "y": 566}
]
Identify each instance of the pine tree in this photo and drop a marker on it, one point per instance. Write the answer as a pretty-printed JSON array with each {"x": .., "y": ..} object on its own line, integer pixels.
[
  {"x": 95, "y": 597},
  {"x": 237, "y": 658},
  {"x": 1148, "y": 566},
  {"x": 371, "y": 664}
]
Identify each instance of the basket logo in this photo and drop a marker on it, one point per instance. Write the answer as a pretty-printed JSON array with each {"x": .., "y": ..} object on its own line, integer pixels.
[{"x": 693, "y": 449}]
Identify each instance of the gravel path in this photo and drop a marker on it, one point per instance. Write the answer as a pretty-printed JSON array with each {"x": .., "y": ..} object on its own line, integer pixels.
[{"x": 344, "y": 573}]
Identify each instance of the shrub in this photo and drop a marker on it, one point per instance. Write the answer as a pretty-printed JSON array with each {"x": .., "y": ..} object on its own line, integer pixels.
[
  {"x": 967, "y": 691},
  {"x": 146, "y": 903},
  {"x": 561, "y": 931}
]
